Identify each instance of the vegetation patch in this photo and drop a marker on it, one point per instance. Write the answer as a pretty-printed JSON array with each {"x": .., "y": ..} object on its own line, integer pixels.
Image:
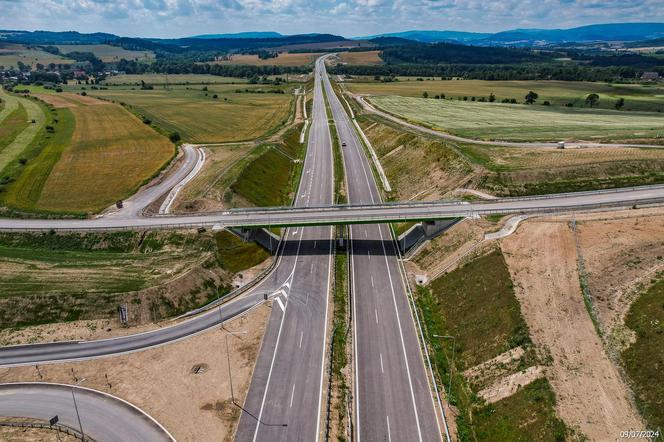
[
  {"x": 527, "y": 415},
  {"x": 644, "y": 360},
  {"x": 62, "y": 277},
  {"x": 13, "y": 125},
  {"x": 236, "y": 255}
]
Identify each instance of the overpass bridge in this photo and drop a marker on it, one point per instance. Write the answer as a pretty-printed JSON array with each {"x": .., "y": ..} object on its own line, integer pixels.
[{"x": 354, "y": 214}]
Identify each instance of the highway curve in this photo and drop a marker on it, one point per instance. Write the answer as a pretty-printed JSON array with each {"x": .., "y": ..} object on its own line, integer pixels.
[{"x": 104, "y": 418}]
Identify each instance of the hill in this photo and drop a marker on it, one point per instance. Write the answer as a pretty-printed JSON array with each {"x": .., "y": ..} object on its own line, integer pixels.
[{"x": 241, "y": 35}]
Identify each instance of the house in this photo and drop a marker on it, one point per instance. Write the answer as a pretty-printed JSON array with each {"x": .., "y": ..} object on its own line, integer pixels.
[{"x": 650, "y": 76}]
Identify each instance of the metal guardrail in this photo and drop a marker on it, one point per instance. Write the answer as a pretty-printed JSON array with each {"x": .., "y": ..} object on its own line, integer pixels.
[{"x": 57, "y": 427}]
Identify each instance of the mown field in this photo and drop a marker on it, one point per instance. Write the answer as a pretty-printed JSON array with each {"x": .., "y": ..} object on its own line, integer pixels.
[
  {"x": 62, "y": 277},
  {"x": 647, "y": 97},
  {"x": 85, "y": 156},
  {"x": 496, "y": 121},
  {"x": 108, "y": 53},
  {"x": 476, "y": 304},
  {"x": 284, "y": 59},
  {"x": 644, "y": 359},
  {"x": 172, "y": 79},
  {"x": 11, "y": 54},
  {"x": 198, "y": 117}
]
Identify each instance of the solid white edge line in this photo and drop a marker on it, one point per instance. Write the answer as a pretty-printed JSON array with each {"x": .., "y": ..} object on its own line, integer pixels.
[
  {"x": 281, "y": 304},
  {"x": 100, "y": 393}
]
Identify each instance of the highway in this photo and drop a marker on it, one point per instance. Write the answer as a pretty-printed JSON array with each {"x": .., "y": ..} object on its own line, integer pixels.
[
  {"x": 318, "y": 213},
  {"x": 393, "y": 400},
  {"x": 104, "y": 418},
  {"x": 285, "y": 398}
]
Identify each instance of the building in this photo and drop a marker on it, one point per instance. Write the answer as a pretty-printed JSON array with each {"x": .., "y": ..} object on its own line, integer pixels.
[{"x": 650, "y": 76}]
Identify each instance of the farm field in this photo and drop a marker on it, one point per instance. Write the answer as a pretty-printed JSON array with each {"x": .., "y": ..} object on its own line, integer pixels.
[
  {"x": 637, "y": 97},
  {"x": 18, "y": 130},
  {"x": 108, "y": 53},
  {"x": 111, "y": 154},
  {"x": 233, "y": 116},
  {"x": 172, "y": 79},
  {"x": 11, "y": 54},
  {"x": 496, "y": 121},
  {"x": 284, "y": 59},
  {"x": 361, "y": 58}
]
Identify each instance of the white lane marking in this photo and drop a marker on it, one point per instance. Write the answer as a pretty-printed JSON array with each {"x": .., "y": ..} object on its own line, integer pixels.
[
  {"x": 291, "y": 396},
  {"x": 369, "y": 254},
  {"x": 372, "y": 283},
  {"x": 376, "y": 312},
  {"x": 314, "y": 243},
  {"x": 294, "y": 232},
  {"x": 381, "y": 364},
  {"x": 311, "y": 270},
  {"x": 365, "y": 233},
  {"x": 389, "y": 436},
  {"x": 301, "y": 336},
  {"x": 283, "y": 309}
]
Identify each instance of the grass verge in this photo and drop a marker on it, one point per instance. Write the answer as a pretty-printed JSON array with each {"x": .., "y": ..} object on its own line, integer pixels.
[
  {"x": 644, "y": 359},
  {"x": 236, "y": 255}
]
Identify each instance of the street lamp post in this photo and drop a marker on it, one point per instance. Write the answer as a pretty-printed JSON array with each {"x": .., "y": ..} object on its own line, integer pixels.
[
  {"x": 228, "y": 360},
  {"x": 449, "y": 383},
  {"x": 78, "y": 416}
]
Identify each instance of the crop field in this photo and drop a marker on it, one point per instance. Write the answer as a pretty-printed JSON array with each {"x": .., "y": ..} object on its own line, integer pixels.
[
  {"x": 648, "y": 97},
  {"x": 111, "y": 154},
  {"x": 12, "y": 124},
  {"x": 496, "y": 121},
  {"x": 108, "y": 53},
  {"x": 200, "y": 118},
  {"x": 11, "y": 54},
  {"x": 284, "y": 59},
  {"x": 172, "y": 79},
  {"x": 361, "y": 58}
]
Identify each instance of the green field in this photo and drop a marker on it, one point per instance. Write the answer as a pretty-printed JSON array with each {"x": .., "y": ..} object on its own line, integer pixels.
[
  {"x": 644, "y": 359},
  {"x": 276, "y": 166},
  {"x": 173, "y": 79},
  {"x": 496, "y": 121},
  {"x": 12, "y": 125},
  {"x": 200, "y": 118},
  {"x": 108, "y": 53},
  {"x": 647, "y": 97}
]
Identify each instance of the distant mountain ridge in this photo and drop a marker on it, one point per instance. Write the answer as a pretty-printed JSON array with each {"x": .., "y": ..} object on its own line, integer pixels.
[
  {"x": 599, "y": 32},
  {"x": 259, "y": 34}
]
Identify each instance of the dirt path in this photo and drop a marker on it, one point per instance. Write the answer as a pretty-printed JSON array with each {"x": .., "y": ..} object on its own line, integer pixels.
[
  {"x": 591, "y": 395},
  {"x": 184, "y": 385}
]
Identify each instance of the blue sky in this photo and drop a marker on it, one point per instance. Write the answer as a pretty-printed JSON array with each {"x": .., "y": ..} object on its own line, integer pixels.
[{"x": 177, "y": 18}]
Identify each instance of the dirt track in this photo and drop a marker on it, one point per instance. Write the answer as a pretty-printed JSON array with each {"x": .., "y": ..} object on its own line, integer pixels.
[{"x": 591, "y": 395}]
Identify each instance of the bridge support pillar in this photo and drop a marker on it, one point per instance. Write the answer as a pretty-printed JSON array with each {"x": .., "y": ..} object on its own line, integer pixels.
[
  {"x": 263, "y": 237},
  {"x": 423, "y": 231}
]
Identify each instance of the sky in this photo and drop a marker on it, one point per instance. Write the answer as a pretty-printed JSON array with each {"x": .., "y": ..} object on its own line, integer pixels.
[{"x": 180, "y": 18}]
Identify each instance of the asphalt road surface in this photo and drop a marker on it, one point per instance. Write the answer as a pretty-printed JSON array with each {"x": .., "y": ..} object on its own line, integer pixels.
[
  {"x": 104, "y": 418},
  {"x": 285, "y": 398},
  {"x": 393, "y": 400},
  {"x": 326, "y": 214}
]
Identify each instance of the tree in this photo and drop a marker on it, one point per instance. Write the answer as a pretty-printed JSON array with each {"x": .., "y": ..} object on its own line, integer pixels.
[
  {"x": 492, "y": 97},
  {"x": 531, "y": 97},
  {"x": 619, "y": 104},
  {"x": 425, "y": 94},
  {"x": 442, "y": 96},
  {"x": 592, "y": 99},
  {"x": 174, "y": 137}
]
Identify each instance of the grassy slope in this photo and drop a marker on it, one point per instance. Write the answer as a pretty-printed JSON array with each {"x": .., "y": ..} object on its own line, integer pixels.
[
  {"x": 236, "y": 255},
  {"x": 644, "y": 359},
  {"x": 34, "y": 111},
  {"x": 29, "y": 56},
  {"x": 108, "y": 53},
  {"x": 270, "y": 179},
  {"x": 522, "y": 122},
  {"x": 199, "y": 118},
  {"x": 173, "y": 79},
  {"x": 284, "y": 59},
  {"x": 476, "y": 304},
  {"x": 111, "y": 154},
  {"x": 558, "y": 93}
]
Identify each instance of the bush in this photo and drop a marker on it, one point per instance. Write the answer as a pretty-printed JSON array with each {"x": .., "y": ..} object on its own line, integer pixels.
[
  {"x": 84, "y": 93},
  {"x": 546, "y": 103},
  {"x": 174, "y": 137},
  {"x": 147, "y": 120},
  {"x": 215, "y": 96},
  {"x": 58, "y": 89}
]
